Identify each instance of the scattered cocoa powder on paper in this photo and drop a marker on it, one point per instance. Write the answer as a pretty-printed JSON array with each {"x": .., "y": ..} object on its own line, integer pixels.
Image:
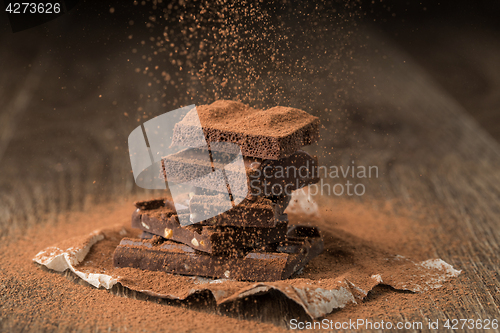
[
  {"x": 35, "y": 299},
  {"x": 52, "y": 300}
]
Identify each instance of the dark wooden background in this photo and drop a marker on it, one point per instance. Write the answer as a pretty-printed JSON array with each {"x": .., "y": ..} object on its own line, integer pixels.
[{"x": 418, "y": 99}]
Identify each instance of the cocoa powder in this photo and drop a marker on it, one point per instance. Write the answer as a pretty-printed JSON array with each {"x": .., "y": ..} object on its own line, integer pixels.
[{"x": 355, "y": 236}]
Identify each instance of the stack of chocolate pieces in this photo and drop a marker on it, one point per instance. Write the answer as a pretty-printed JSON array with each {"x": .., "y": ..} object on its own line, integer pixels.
[{"x": 232, "y": 224}]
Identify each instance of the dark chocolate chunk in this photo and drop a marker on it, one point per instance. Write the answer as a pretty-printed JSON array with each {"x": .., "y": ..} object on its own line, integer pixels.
[
  {"x": 282, "y": 177},
  {"x": 146, "y": 235},
  {"x": 204, "y": 207},
  {"x": 210, "y": 239},
  {"x": 289, "y": 257},
  {"x": 268, "y": 134},
  {"x": 280, "y": 203},
  {"x": 259, "y": 212},
  {"x": 297, "y": 232},
  {"x": 154, "y": 204},
  {"x": 251, "y": 176}
]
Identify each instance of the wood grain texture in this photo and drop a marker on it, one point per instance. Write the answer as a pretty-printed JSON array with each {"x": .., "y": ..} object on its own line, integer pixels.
[
  {"x": 68, "y": 151},
  {"x": 437, "y": 159}
]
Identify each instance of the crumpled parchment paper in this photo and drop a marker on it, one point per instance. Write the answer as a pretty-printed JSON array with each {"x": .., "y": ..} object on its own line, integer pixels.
[{"x": 317, "y": 297}]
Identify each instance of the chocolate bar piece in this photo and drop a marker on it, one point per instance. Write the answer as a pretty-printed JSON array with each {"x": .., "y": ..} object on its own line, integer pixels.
[
  {"x": 279, "y": 203},
  {"x": 259, "y": 212},
  {"x": 204, "y": 207},
  {"x": 256, "y": 212},
  {"x": 268, "y": 134},
  {"x": 259, "y": 265},
  {"x": 247, "y": 175},
  {"x": 210, "y": 239},
  {"x": 155, "y": 204},
  {"x": 282, "y": 177}
]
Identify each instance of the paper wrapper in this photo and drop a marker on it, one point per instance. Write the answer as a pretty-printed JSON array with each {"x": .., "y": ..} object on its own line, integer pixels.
[{"x": 332, "y": 283}]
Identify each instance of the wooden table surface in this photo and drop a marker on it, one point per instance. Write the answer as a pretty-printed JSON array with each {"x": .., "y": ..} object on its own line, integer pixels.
[{"x": 64, "y": 124}]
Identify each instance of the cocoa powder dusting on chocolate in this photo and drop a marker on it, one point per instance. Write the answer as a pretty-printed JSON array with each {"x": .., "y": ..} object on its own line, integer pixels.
[
  {"x": 231, "y": 115},
  {"x": 160, "y": 213}
]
